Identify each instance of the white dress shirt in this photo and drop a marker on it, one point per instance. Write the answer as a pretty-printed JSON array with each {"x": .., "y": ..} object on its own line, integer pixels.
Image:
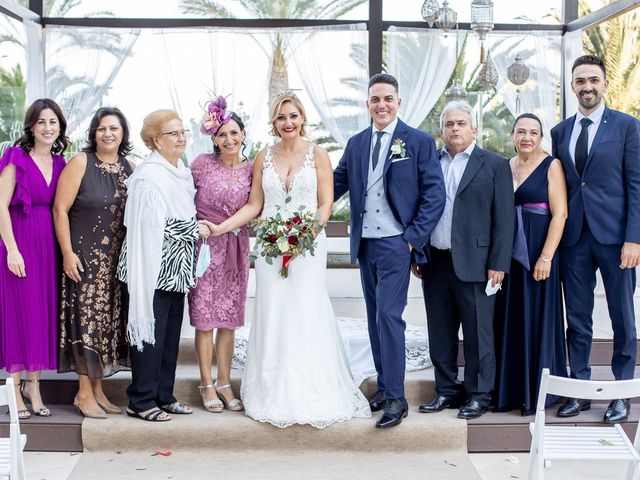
[
  {"x": 385, "y": 141},
  {"x": 452, "y": 170},
  {"x": 595, "y": 117}
]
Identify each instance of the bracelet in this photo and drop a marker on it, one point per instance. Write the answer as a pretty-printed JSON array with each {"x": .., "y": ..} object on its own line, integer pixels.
[{"x": 545, "y": 260}]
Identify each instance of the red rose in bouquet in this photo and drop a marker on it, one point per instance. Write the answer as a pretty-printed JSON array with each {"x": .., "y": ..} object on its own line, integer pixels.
[{"x": 285, "y": 237}]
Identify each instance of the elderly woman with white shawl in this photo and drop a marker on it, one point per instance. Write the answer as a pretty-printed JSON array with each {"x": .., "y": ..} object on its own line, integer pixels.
[{"x": 157, "y": 264}]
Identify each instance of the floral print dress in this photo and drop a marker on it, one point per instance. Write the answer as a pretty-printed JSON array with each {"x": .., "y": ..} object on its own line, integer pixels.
[{"x": 93, "y": 314}]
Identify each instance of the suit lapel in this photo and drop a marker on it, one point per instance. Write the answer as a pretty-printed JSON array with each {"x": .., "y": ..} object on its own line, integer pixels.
[
  {"x": 563, "y": 148},
  {"x": 398, "y": 133},
  {"x": 602, "y": 131},
  {"x": 365, "y": 153},
  {"x": 476, "y": 160}
]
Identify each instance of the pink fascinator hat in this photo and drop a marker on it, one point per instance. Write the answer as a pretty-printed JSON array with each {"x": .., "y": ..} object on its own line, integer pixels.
[{"x": 215, "y": 116}]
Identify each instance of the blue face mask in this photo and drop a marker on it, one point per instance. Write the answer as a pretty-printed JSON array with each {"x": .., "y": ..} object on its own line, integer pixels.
[{"x": 204, "y": 259}]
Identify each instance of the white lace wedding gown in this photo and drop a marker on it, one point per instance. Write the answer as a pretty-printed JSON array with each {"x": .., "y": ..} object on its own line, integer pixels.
[{"x": 296, "y": 370}]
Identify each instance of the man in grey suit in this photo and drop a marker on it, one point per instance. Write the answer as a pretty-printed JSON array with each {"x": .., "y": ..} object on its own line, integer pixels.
[{"x": 470, "y": 247}]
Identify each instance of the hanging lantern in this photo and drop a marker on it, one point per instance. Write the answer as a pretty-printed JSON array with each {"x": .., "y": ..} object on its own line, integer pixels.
[
  {"x": 447, "y": 17},
  {"x": 518, "y": 73},
  {"x": 488, "y": 76},
  {"x": 455, "y": 92},
  {"x": 482, "y": 21},
  {"x": 430, "y": 9}
]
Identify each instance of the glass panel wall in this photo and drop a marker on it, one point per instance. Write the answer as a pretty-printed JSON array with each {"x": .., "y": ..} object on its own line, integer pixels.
[
  {"x": 504, "y": 11},
  {"x": 296, "y": 9},
  {"x": 617, "y": 41},
  {"x": 13, "y": 85},
  {"x": 497, "y": 108},
  {"x": 156, "y": 69}
]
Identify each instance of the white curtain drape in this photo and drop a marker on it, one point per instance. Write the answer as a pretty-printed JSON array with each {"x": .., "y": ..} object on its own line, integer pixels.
[
  {"x": 35, "y": 60},
  {"x": 423, "y": 62},
  {"x": 335, "y": 79},
  {"x": 198, "y": 63},
  {"x": 80, "y": 65},
  {"x": 327, "y": 68},
  {"x": 572, "y": 49},
  {"x": 540, "y": 51}
]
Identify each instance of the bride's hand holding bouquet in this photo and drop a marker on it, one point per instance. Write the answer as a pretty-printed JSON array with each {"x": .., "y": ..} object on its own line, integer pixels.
[{"x": 286, "y": 237}]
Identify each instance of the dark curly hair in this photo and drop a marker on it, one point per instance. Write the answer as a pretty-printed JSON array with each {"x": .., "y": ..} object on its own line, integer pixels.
[
  {"x": 31, "y": 117},
  {"x": 236, "y": 118},
  {"x": 125, "y": 146}
]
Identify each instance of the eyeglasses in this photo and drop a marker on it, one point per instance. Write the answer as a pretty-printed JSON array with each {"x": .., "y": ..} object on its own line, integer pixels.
[{"x": 176, "y": 134}]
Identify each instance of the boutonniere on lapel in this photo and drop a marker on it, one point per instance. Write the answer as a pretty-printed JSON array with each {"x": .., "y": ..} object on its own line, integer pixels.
[{"x": 398, "y": 148}]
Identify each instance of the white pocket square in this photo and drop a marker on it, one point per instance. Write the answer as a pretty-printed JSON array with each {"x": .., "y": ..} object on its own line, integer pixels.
[{"x": 395, "y": 160}]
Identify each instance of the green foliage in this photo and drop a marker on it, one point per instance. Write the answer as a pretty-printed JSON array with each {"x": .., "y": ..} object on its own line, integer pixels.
[
  {"x": 617, "y": 42},
  {"x": 12, "y": 103}
]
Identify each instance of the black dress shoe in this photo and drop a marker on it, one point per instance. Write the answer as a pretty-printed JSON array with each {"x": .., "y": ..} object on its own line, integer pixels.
[
  {"x": 573, "y": 407},
  {"x": 472, "y": 409},
  {"x": 439, "y": 403},
  {"x": 394, "y": 411},
  {"x": 618, "y": 411},
  {"x": 376, "y": 403}
]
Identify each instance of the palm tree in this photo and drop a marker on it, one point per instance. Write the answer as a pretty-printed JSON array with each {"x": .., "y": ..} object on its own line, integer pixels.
[
  {"x": 12, "y": 104},
  {"x": 617, "y": 42},
  {"x": 298, "y": 9}
]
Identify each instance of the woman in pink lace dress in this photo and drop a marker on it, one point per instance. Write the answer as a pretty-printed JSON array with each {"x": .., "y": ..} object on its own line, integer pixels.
[{"x": 223, "y": 182}]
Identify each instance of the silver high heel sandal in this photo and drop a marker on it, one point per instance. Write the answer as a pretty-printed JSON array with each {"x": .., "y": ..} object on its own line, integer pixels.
[
  {"x": 43, "y": 411},
  {"x": 234, "y": 405},
  {"x": 213, "y": 405}
]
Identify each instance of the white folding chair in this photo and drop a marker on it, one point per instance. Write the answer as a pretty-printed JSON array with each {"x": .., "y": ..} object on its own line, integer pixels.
[
  {"x": 11, "y": 459},
  {"x": 570, "y": 442}
]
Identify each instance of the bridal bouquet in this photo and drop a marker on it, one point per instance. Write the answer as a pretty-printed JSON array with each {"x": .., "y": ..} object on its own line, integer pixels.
[{"x": 285, "y": 237}]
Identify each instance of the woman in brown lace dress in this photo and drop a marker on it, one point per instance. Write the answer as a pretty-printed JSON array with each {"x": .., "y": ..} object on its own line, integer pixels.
[{"x": 88, "y": 216}]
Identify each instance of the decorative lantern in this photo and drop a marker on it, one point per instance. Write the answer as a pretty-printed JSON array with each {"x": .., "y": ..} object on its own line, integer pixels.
[
  {"x": 455, "y": 92},
  {"x": 447, "y": 17},
  {"x": 430, "y": 10},
  {"x": 488, "y": 75},
  {"x": 518, "y": 73},
  {"x": 482, "y": 21}
]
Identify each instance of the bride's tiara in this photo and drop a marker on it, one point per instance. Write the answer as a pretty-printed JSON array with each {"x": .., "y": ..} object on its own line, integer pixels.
[{"x": 284, "y": 93}]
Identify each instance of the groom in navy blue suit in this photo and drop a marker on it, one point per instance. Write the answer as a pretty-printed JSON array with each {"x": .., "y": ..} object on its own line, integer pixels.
[
  {"x": 397, "y": 195},
  {"x": 600, "y": 153}
]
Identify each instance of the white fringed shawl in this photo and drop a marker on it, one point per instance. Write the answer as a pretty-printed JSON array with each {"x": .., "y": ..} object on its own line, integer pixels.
[{"x": 155, "y": 191}]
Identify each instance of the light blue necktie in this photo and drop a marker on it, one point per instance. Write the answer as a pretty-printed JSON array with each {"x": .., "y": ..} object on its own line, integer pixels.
[{"x": 376, "y": 150}]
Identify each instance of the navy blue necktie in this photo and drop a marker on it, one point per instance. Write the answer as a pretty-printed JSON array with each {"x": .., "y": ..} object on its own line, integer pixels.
[
  {"x": 376, "y": 150},
  {"x": 582, "y": 145}
]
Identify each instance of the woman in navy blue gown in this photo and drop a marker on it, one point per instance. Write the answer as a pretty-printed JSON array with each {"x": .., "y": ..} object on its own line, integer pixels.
[{"x": 530, "y": 326}]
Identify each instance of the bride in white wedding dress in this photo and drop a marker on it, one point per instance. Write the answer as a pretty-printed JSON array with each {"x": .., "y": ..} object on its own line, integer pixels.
[{"x": 296, "y": 370}]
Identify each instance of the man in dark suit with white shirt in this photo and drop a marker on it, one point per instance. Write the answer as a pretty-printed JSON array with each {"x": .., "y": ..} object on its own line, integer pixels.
[
  {"x": 471, "y": 247},
  {"x": 396, "y": 193},
  {"x": 600, "y": 153}
]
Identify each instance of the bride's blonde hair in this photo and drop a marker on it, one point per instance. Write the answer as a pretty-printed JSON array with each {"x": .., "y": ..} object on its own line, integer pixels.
[{"x": 276, "y": 105}]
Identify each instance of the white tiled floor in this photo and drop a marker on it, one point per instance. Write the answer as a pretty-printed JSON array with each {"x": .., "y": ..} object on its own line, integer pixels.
[{"x": 491, "y": 466}]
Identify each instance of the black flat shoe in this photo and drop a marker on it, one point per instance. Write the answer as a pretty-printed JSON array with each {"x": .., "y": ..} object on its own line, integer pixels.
[
  {"x": 439, "y": 403},
  {"x": 151, "y": 415},
  {"x": 376, "y": 403},
  {"x": 618, "y": 411},
  {"x": 472, "y": 409},
  {"x": 573, "y": 406},
  {"x": 394, "y": 411}
]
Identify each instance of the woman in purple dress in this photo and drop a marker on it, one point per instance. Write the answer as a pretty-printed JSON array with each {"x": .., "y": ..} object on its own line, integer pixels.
[
  {"x": 223, "y": 183},
  {"x": 29, "y": 174}
]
